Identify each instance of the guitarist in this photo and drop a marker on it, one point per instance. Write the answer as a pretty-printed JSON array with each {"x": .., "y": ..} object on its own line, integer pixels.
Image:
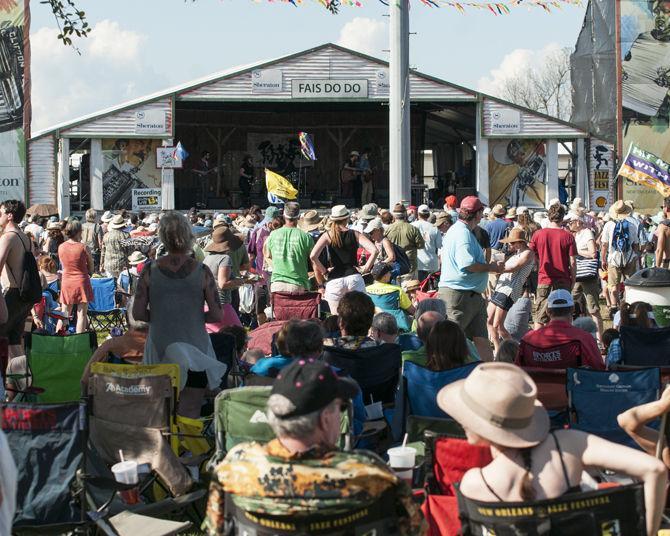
[
  {"x": 366, "y": 177},
  {"x": 203, "y": 169},
  {"x": 246, "y": 179}
]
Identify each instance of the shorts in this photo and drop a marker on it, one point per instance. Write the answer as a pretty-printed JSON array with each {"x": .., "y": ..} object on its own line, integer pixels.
[
  {"x": 616, "y": 275},
  {"x": 591, "y": 291},
  {"x": 337, "y": 288},
  {"x": 540, "y": 315},
  {"x": 467, "y": 308},
  {"x": 501, "y": 300},
  {"x": 17, "y": 312}
]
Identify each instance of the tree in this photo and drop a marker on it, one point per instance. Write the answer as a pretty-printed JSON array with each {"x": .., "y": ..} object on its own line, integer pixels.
[
  {"x": 71, "y": 21},
  {"x": 545, "y": 89}
]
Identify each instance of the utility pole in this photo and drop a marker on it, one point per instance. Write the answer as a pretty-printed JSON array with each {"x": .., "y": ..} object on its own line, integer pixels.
[{"x": 399, "y": 105}]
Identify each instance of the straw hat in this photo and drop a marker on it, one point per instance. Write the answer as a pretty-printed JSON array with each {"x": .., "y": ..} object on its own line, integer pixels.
[
  {"x": 577, "y": 205},
  {"x": 498, "y": 210},
  {"x": 136, "y": 257},
  {"x": 106, "y": 217},
  {"x": 511, "y": 213},
  {"x": 117, "y": 222},
  {"x": 339, "y": 212},
  {"x": 53, "y": 225},
  {"x": 223, "y": 241},
  {"x": 411, "y": 285},
  {"x": 515, "y": 235},
  {"x": 310, "y": 221},
  {"x": 498, "y": 402},
  {"x": 619, "y": 210}
]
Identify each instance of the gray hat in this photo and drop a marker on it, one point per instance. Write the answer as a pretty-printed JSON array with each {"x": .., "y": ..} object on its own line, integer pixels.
[{"x": 368, "y": 212}]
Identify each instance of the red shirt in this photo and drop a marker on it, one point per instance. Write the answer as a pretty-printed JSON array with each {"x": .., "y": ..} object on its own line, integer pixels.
[
  {"x": 559, "y": 345},
  {"x": 553, "y": 247}
]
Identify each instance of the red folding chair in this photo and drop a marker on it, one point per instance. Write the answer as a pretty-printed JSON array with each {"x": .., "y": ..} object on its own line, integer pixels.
[
  {"x": 428, "y": 287},
  {"x": 288, "y": 305}
]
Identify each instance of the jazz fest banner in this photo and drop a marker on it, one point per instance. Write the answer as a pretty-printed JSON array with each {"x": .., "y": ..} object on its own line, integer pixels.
[
  {"x": 517, "y": 172},
  {"x": 647, "y": 170},
  {"x": 601, "y": 175},
  {"x": 14, "y": 97}
]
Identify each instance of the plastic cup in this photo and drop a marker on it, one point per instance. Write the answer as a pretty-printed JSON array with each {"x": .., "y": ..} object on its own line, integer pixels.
[
  {"x": 374, "y": 411},
  {"x": 126, "y": 473},
  {"x": 401, "y": 460}
]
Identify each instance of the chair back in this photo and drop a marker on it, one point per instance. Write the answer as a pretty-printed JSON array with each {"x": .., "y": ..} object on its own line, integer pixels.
[
  {"x": 597, "y": 397},
  {"x": 57, "y": 363},
  {"x": 47, "y": 444},
  {"x": 555, "y": 357},
  {"x": 615, "y": 510},
  {"x": 104, "y": 289},
  {"x": 642, "y": 347},
  {"x": 261, "y": 338},
  {"x": 376, "y": 369},
  {"x": 289, "y": 305},
  {"x": 390, "y": 303},
  {"x": 551, "y": 387}
]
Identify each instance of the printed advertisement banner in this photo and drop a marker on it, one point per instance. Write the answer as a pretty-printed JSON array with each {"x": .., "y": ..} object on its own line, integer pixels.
[
  {"x": 129, "y": 164},
  {"x": 146, "y": 199},
  {"x": 601, "y": 175},
  {"x": 646, "y": 180},
  {"x": 278, "y": 152},
  {"x": 517, "y": 172},
  {"x": 12, "y": 140}
]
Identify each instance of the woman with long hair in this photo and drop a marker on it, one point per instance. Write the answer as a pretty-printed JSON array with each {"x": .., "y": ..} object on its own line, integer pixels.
[
  {"x": 446, "y": 347},
  {"x": 342, "y": 243}
]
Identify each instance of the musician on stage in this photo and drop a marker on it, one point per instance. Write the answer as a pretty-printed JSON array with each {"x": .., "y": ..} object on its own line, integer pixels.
[
  {"x": 246, "y": 179},
  {"x": 350, "y": 177},
  {"x": 203, "y": 170},
  {"x": 365, "y": 169}
]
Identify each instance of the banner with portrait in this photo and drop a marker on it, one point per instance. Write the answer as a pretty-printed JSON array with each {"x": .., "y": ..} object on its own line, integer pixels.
[
  {"x": 129, "y": 164},
  {"x": 517, "y": 172},
  {"x": 601, "y": 174}
]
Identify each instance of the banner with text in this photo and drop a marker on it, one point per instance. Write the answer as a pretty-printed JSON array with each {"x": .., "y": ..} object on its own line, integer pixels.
[
  {"x": 601, "y": 174},
  {"x": 146, "y": 199},
  {"x": 646, "y": 169},
  {"x": 329, "y": 89}
]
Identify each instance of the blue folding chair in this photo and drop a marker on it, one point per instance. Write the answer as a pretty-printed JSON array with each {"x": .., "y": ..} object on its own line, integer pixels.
[
  {"x": 642, "y": 347},
  {"x": 103, "y": 314},
  {"x": 390, "y": 303},
  {"x": 595, "y": 398}
]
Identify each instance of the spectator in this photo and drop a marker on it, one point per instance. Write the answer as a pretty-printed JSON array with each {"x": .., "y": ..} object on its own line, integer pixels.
[
  {"x": 304, "y": 413},
  {"x": 92, "y": 237},
  {"x": 342, "y": 245},
  {"x": 637, "y": 314},
  {"x": 427, "y": 256},
  {"x": 54, "y": 238},
  {"x": 662, "y": 254},
  {"x": 497, "y": 228},
  {"x": 48, "y": 270},
  {"x": 114, "y": 256},
  {"x": 465, "y": 274},
  {"x": 424, "y": 324},
  {"x": 556, "y": 253},
  {"x": 517, "y": 321},
  {"x": 530, "y": 462},
  {"x": 76, "y": 291},
  {"x": 431, "y": 304},
  {"x": 289, "y": 249},
  {"x": 446, "y": 347},
  {"x": 367, "y": 214},
  {"x": 381, "y": 274},
  {"x": 451, "y": 206},
  {"x": 384, "y": 328},
  {"x": 586, "y": 324},
  {"x": 549, "y": 346},
  {"x": 387, "y": 219},
  {"x": 610, "y": 336},
  {"x": 240, "y": 336},
  {"x": 355, "y": 314},
  {"x": 442, "y": 223},
  {"x": 375, "y": 230},
  {"x": 405, "y": 236},
  {"x": 13, "y": 244},
  {"x": 507, "y": 351}
]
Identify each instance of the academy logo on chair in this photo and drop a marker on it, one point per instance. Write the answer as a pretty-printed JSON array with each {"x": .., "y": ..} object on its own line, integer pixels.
[
  {"x": 613, "y": 378},
  {"x": 258, "y": 417},
  {"x": 137, "y": 389},
  {"x": 610, "y": 528}
]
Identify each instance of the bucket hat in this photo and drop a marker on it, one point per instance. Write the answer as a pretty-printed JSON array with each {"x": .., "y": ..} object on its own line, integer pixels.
[
  {"x": 136, "y": 257},
  {"x": 339, "y": 212},
  {"x": 117, "y": 222},
  {"x": 310, "y": 221},
  {"x": 619, "y": 210},
  {"x": 368, "y": 212},
  {"x": 515, "y": 235},
  {"x": 223, "y": 241}
]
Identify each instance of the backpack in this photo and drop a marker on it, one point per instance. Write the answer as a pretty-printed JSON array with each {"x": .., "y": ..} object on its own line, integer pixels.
[
  {"x": 621, "y": 244},
  {"x": 89, "y": 237},
  {"x": 30, "y": 284},
  {"x": 402, "y": 259}
]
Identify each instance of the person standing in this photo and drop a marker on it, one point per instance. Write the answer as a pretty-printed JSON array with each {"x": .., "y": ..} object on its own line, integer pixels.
[
  {"x": 77, "y": 263},
  {"x": 497, "y": 228},
  {"x": 663, "y": 237},
  {"x": 203, "y": 170},
  {"x": 114, "y": 256},
  {"x": 246, "y": 179},
  {"x": 405, "y": 236},
  {"x": 465, "y": 274},
  {"x": 366, "y": 174},
  {"x": 556, "y": 253},
  {"x": 92, "y": 237},
  {"x": 350, "y": 178},
  {"x": 427, "y": 256}
]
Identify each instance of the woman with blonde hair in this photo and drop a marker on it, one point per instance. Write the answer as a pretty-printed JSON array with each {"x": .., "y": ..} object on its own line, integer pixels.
[{"x": 342, "y": 245}]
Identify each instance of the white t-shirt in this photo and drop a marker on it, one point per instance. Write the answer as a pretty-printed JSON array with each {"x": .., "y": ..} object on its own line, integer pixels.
[
  {"x": 608, "y": 234},
  {"x": 426, "y": 257},
  {"x": 582, "y": 238}
]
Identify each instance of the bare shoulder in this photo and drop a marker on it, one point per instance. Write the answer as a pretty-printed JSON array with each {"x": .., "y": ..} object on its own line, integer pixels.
[{"x": 471, "y": 484}]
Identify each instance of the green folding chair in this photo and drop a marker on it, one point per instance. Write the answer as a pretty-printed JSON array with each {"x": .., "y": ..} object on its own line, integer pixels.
[{"x": 56, "y": 363}]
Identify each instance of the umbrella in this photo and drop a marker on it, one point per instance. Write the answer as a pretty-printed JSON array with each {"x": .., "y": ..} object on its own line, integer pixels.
[{"x": 43, "y": 210}]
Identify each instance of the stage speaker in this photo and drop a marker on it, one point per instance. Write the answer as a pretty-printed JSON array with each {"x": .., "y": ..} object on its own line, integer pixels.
[
  {"x": 218, "y": 203},
  {"x": 305, "y": 202}
]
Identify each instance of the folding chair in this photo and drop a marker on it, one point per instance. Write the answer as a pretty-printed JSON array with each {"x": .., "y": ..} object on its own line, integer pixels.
[
  {"x": 554, "y": 357},
  {"x": 56, "y": 363},
  {"x": 390, "y": 303},
  {"x": 409, "y": 342},
  {"x": 262, "y": 337},
  {"x": 642, "y": 347},
  {"x": 290, "y": 305},
  {"x": 103, "y": 314},
  {"x": 552, "y": 392},
  {"x": 595, "y": 399},
  {"x": 615, "y": 510}
]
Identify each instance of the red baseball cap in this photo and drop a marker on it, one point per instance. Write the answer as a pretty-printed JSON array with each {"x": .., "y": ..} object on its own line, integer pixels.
[
  {"x": 451, "y": 200},
  {"x": 471, "y": 203}
]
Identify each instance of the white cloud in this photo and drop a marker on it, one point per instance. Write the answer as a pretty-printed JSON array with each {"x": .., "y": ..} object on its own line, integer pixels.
[
  {"x": 513, "y": 63},
  {"x": 365, "y": 35},
  {"x": 113, "y": 67}
]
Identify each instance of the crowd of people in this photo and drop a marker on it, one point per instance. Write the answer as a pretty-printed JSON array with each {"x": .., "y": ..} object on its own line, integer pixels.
[{"x": 462, "y": 283}]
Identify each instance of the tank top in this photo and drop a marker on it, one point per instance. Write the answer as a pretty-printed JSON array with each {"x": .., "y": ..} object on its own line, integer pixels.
[{"x": 343, "y": 259}]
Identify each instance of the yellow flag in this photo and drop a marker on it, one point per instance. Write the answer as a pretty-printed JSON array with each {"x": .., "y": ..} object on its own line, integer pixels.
[{"x": 279, "y": 186}]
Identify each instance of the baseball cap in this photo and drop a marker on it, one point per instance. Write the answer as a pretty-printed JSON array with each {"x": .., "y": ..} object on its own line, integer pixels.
[
  {"x": 559, "y": 299},
  {"x": 471, "y": 204},
  {"x": 423, "y": 209},
  {"x": 381, "y": 269},
  {"x": 271, "y": 212},
  {"x": 292, "y": 210},
  {"x": 310, "y": 385}
]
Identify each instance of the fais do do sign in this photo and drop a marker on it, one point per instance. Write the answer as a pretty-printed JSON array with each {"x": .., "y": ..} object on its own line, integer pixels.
[{"x": 329, "y": 89}]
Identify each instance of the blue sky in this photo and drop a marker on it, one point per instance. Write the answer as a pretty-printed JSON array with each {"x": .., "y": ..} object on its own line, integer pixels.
[{"x": 142, "y": 46}]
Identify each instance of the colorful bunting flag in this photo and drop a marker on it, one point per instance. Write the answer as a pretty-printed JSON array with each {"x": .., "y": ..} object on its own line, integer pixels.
[{"x": 306, "y": 146}]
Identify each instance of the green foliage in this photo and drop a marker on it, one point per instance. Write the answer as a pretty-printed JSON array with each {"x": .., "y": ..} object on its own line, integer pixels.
[{"x": 71, "y": 21}]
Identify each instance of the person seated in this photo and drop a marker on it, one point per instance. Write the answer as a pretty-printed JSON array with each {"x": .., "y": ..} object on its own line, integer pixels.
[
  {"x": 384, "y": 328},
  {"x": 611, "y": 340},
  {"x": 429, "y": 304},
  {"x": 446, "y": 347},
  {"x": 586, "y": 323},
  {"x": 549, "y": 346},
  {"x": 497, "y": 406},
  {"x": 301, "y": 472},
  {"x": 381, "y": 274},
  {"x": 507, "y": 351},
  {"x": 355, "y": 313},
  {"x": 637, "y": 314}
]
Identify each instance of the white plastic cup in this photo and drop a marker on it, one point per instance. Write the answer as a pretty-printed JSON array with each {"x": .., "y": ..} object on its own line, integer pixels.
[
  {"x": 401, "y": 460},
  {"x": 374, "y": 411},
  {"x": 125, "y": 472}
]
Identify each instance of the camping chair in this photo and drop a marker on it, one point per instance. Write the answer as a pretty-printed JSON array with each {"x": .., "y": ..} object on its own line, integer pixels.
[
  {"x": 428, "y": 287},
  {"x": 290, "y": 305},
  {"x": 409, "y": 342},
  {"x": 547, "y": 357},
  {"x": 103, "y": 314},
  {"x": 262, "y": 337},
  {"x": 390, "y": 303},
  {"x": 595, "y": 399},
  {"x": 614, "y": 510},
  {"x": 55, "y": 364},
  {"x": 552, "y": 392},
  {"x": 376, "y": 369},
  {"x": 642, "y": 347},
  {"x": 49, "y": 311},
  {"x": 416, "y": 402},
  {"x": 448, "y": 457}
]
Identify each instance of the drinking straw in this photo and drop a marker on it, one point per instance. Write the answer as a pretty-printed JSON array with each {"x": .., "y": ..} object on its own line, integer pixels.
[
  {"x": 404, "y": 441},
  {"x": 121, "y": 455}
]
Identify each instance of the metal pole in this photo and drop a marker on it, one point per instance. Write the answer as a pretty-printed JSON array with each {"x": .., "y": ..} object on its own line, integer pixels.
[{"x": 399, "y": 104}]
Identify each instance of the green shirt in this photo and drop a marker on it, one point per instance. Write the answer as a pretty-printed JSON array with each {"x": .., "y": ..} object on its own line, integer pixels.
[
  {"x": 408, "y": 237},
  {"x": 419, "y": 357},
  {"x": 290, "y": 248}
]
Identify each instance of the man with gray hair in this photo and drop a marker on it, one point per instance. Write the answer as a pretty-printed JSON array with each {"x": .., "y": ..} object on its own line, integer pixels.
[
  {"x": 301, "y": 476},
  {"x": 384, "y": 328}
]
